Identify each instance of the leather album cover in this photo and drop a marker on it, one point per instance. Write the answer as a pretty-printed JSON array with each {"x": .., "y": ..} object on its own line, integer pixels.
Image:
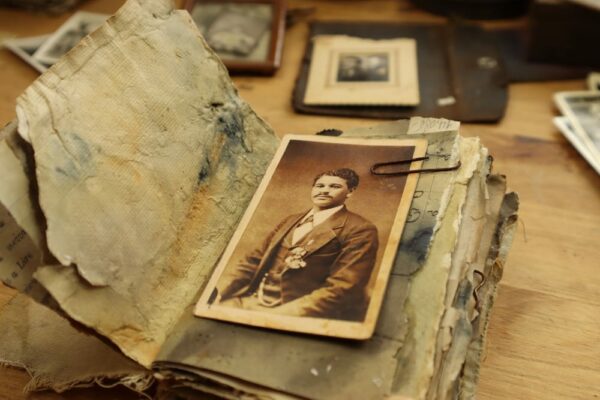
[{"x": 460, "y": 76}]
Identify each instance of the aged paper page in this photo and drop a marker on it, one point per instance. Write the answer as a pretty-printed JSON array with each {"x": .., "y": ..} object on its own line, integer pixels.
[
  {"x": 34, "y": 337},
  {"x": 479, "y": 222},
  {"x": 146, "y": 158}
]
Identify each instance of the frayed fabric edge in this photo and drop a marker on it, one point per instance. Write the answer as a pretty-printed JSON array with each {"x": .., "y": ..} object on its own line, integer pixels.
[{"x": 138, "y": 383}]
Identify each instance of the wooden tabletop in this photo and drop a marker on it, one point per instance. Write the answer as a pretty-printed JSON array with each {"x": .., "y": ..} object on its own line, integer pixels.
[{"x": 544, "y": 335}]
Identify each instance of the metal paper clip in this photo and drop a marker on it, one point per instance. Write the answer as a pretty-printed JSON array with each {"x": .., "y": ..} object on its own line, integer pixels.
[{"x": 375, "y": 167}]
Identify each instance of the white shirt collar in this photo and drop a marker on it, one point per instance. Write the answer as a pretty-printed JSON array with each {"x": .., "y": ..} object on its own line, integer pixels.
[{"x": 320, "y": 216}]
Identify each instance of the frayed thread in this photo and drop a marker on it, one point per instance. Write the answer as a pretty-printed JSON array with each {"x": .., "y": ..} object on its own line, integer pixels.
[{"x": 138, "y": 383}]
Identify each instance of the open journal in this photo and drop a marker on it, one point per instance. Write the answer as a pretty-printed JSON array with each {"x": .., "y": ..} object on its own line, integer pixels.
[{"x": 131, "y": 189}]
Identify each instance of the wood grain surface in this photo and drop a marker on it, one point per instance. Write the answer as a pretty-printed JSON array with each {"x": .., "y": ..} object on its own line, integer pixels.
[{"x": 544, "y": 335}]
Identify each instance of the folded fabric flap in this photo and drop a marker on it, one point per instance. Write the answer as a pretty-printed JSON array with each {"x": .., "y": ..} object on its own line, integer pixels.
[{"x": 57, "y": 355}]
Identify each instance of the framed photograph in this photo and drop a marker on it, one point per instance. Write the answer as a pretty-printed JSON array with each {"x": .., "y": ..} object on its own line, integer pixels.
[
  {"x": 315, "y": 248},
  {"x": 346, "y": 70},
  {"x": 246, "y": 34},
  {"x": 25, "y": 48},
  {"x": 68, "y": 35}
]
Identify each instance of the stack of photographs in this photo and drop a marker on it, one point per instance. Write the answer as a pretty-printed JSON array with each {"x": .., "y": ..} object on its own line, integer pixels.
[
  {"x": 580, "y": 122},
  {"x": 41, "y": 52},
  {"x": 355, "y": 71}
]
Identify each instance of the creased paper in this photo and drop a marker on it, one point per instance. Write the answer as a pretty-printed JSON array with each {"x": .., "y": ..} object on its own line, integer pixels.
[{"x": 145, "y": 159}]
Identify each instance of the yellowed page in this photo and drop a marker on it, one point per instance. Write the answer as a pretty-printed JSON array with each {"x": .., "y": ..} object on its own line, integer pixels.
[{"x": 146, "y": 158}]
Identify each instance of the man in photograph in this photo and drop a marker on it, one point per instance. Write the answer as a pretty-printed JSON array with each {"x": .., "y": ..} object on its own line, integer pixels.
[{"x": 315, "y": 264}]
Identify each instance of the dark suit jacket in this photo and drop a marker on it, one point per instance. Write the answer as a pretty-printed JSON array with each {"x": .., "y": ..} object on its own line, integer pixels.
[{"x": 340, "y": 258}]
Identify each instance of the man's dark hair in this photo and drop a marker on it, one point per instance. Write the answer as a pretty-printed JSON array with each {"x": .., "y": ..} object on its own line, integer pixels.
[{"x": 346, "y": 174}]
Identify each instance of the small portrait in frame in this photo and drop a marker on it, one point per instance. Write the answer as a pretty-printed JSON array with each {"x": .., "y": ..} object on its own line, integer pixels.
[
  {"x": 363, "y": 67},
  {"x": 81, "y": 24},
  {"x": 348, "y": 70},
  {"x": 246, "y": 34}
]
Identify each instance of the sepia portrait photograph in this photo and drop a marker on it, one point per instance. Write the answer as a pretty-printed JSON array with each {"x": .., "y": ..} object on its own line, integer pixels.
[
  {"x": 243, "y": 33},
  {"x": 68, "y": 35},
  {"x": 363, "y": 67},
  {"x": 315, "y": 247},
  {"x": 347, "y": 70}
]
